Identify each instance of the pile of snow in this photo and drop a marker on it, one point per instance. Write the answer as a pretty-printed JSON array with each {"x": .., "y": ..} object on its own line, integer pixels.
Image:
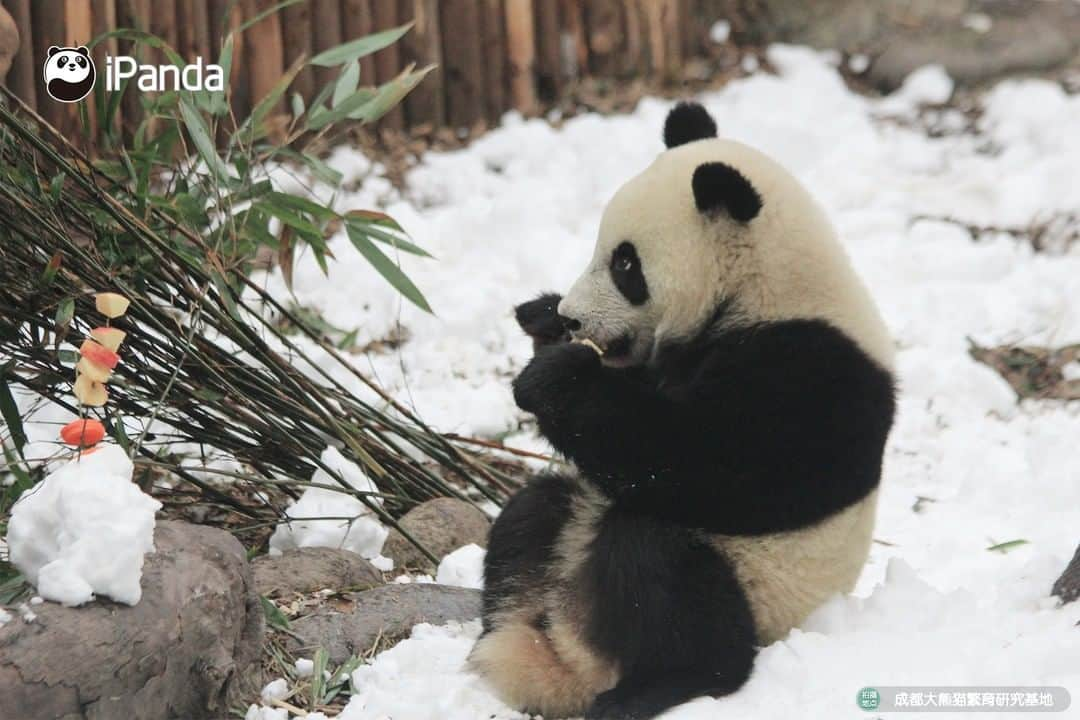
[
  {"x": 328, "y": 518},
  {"x": 84, "y": 529},
  {"x": 464, "y": 567}
]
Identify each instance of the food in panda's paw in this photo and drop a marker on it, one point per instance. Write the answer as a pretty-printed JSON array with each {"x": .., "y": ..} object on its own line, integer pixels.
[
  {"x": 111, "y": 305},
  {"x": 589, "y": 344}
]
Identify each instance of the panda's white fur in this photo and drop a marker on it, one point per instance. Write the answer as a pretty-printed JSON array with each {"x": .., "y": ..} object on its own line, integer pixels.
[{"x": 538, "y": 650}]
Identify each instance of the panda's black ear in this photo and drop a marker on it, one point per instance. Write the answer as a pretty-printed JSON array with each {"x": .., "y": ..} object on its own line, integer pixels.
[
  {"x": 719, "y": 187},
  {"x": 687, "y": 122},
  {"x": 53, "y": 49},
  {"x": 82, "y": 50}
]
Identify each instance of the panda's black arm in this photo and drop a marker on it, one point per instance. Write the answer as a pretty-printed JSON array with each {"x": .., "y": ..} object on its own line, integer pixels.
[{"x": 772, "y": 428}]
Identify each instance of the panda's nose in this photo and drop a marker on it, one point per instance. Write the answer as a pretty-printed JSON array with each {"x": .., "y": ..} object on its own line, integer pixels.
[{"x": 570, "y": 323}]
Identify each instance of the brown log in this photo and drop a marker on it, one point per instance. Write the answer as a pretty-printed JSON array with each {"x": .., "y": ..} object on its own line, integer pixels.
[
  {"x": 635, "y": 58},
  {"x": 672, "y": 24},
  {"x": 463, "y": 74},
  {"x": 388, "y": 61},
  {"x": 103, "y": 16},
  {"x": 265, "y": 61},
  {"x": 23, "y": 78},
  {"x": 653, "y": 13},
  {"x": 163, "y": 24},
  {"x": 549, "y": 74},
  {"x": 296, "y": 41},
  {"x": 46, "y": 15},
  {"x": 193, "y": 24},
  {"x": 132, "y": 14},
  {"x": 358, "y": 21},
  {"x": 575, "y": 59},
  {"x": 79, "y": 30},
  {"x": 603, "y": 23},
  {"x": 423, "y": 46},
  {"x": 325, "y": 34},
  {"x": 493, "y": 43},
  {"x": 521, "y": 49}
]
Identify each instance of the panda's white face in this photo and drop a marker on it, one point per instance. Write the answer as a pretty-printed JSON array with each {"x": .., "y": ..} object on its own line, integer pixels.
[
  {"x": 69, "y": 65},
  {"x": 713, "y": 223},
  {"x": 661, "y": 265}
]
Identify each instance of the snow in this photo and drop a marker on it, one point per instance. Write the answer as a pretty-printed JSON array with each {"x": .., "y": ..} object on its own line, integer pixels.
[
  {"x": 83, "y": 531},
  {"x": 463, "y": 567},
  {"x": 277, "y": 689},
  {"x": 329, "y": 518},
  {"x": 720, "y": 32},
  {"x": 516, "y": 213}
]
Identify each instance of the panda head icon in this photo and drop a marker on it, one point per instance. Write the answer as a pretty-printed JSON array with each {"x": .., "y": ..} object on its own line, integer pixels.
[{"x": 69, "y": 73}]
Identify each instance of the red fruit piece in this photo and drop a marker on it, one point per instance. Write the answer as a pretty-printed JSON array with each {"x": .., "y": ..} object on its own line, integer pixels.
[
  {"x": 100, "y": 354},
  {"x": 83, "y": 433}
]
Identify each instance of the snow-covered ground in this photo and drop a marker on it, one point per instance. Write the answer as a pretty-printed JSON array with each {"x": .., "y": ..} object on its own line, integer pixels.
[{"x": 516, "y": 213}]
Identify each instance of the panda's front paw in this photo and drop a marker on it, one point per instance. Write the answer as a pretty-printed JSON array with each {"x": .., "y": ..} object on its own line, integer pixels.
[
  {"x": 540, "y": 320},
  {"x": 555, "y": 376}
]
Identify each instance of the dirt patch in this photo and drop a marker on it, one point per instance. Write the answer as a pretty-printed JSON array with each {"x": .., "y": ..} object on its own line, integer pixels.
[{"x": 1035, "y": 372}]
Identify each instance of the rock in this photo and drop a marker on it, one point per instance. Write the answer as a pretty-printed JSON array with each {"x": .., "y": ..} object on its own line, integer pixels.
[
  {"x": 386, "y": 613},
  {"x": 975, "y": 40},
  {"x": 1067, "y": 586},
  {"x": 9, "y": 42},
  {"x": 442, "y": 525},
  {"x": 189, "y": 646},
  {"x": 308, "y": 569}
]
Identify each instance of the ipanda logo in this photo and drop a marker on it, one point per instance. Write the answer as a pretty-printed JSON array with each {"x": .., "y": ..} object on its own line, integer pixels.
[{"x": 69, "y": 74}]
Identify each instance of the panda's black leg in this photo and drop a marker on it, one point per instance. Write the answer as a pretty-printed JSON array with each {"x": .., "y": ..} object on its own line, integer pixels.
[
  {"x": 645, "y": 698},
  {"x": 669, "y": 610},
  {"x": 521, "y": 539}
]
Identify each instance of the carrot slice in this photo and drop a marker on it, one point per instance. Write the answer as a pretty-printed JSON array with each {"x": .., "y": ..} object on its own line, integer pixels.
[{"x": 83, "y": 432}]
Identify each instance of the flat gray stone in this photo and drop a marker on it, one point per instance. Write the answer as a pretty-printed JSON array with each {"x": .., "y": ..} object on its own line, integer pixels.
[
  {"x": 182, "y": 651},
  {"x": 305, "y": 570},
  {"x": 442, "y": 525},
  {"x": 386, "y": 613}
]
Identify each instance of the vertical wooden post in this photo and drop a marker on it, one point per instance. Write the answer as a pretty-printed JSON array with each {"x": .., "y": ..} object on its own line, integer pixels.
[
  {"x": 549, "y": 72},
  {"x": 672, "y": 23},
  {"x": 193, "y": 30},
  {"x": 388, "y": 61},
  {"x": 653, "y": 13},
  {"x": 605, "y": 33},
  {"x": 575, "y": 54},
  {"x": 79, "y": 30},
  {"x": 423, "y": 45},
  {"x": 325, "y": 33},
  {"x": 297, "y": 34},
  {"x": 265, "y": 61},
  {"x": 521, "y": 49},
  {"x": 464, "y": 74},
  {"x": 23, "y": 78},
  {"x": 48, "y": 22},
  {"x": 493, "y": 39},
  {"x": 358, "y": 21}
]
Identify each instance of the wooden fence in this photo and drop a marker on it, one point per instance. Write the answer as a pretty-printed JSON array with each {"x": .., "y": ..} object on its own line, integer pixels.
[{"x": 492, "y": 55}]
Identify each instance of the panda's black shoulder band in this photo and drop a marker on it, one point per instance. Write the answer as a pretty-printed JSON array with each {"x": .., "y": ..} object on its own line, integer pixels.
[
  {"x": 687, "y": 122},
  {"x": 719, "y": 187}
]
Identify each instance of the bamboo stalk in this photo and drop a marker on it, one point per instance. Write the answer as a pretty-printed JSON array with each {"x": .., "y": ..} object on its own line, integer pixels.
[
  {"x": 388, "y": 60},
  {"x": 463, "y": 74},
  {"x": 521, "y": 49},
  {"x": 423, "y": 45}
]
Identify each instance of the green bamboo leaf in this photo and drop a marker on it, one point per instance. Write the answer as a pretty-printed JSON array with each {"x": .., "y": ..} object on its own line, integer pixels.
[
  {"x": 390, "y": 94},
  {"x": 346, "y": 83},
  {"x": 356, "y": 49},
  {"x": 143, "y": 37},
  {"x": 387, "y": 268},
  {"x": 1007, "y": 546},
  {"x": 274, "y": 617},
  {"x": 295, "y": 202},
  {"x": 200, "y": 135},
  {"x": 318, "y": 676},
  {"x": 65, "y": 312},
  {"x": 320, "y": 117},
  {"x": 266, "y": 13},
  {"x": 393, "y": 239},
  {"x": 265, "y": 105},
  {"x": 10, "y": 411}
]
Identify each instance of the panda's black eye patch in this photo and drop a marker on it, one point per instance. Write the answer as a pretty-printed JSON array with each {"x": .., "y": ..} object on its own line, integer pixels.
[
  {"x": 62, "y": 60},
  {"x": 627, "y": 275},
  {"x": 81, "y": 61}
]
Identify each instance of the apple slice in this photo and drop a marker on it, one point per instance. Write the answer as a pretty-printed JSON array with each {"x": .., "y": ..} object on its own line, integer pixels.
[
  {"x": 89, "y": 392},
  {"x": 83, "y": 433},
  {"x": 99, "y": 353},
  {"x": 111, "y": 305},
  {"x": 95, "y": 371},
  {"x": 110, "y": 337}
]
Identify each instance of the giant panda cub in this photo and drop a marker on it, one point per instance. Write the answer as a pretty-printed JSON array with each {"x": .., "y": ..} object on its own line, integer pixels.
[{"x": 721, "y": 381}]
